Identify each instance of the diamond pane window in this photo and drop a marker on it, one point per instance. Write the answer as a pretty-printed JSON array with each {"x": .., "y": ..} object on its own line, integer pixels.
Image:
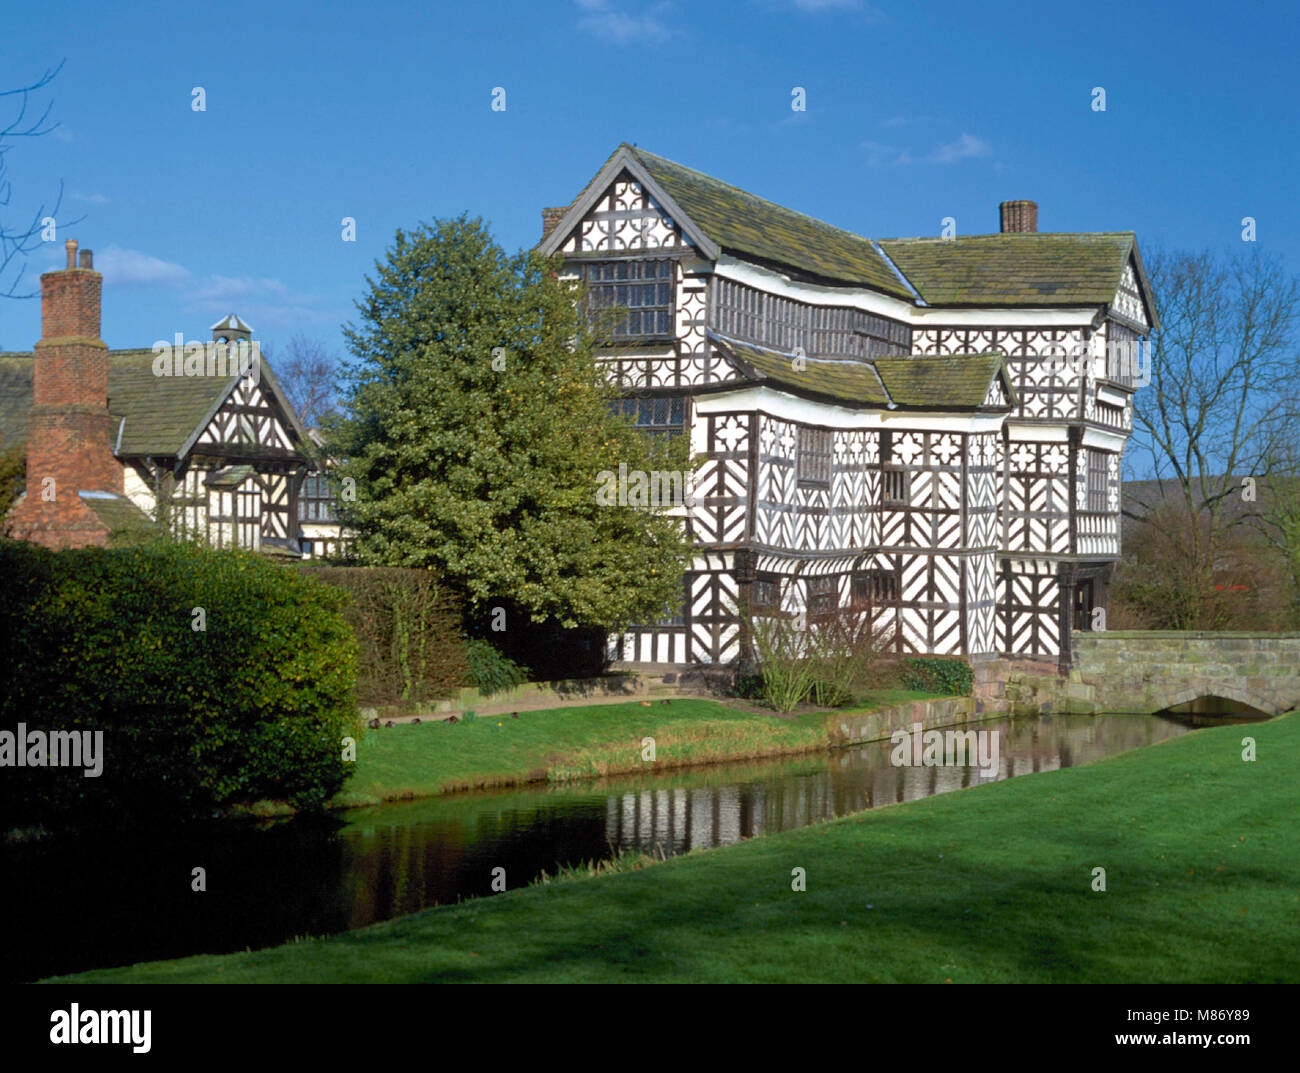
[{"x": 643, "y": 289}]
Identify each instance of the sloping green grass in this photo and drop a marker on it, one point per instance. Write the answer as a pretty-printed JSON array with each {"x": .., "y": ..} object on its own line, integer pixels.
[
  {"x": 1201, "y": 852},
  {"x": 578, "y": 742}
]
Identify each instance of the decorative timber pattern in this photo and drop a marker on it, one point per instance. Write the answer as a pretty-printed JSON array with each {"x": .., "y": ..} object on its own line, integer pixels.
[{"x": 971, "y": 502}]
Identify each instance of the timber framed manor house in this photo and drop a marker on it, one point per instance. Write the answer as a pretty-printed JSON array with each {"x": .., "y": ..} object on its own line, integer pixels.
[{"x": 928, "y": 427}]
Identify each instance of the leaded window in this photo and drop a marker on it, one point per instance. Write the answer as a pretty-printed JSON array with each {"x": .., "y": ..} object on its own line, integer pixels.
[
  {"x": 642, "y": 290},
  {"x": 771, "y": 320},
  {"x": 665, "y": 415},
  {"x": 317, "y": 501},
  {"x": 765, "y": 594},
  {"x": 1098, "y": 481},
  {"x": 823, "y": 596},
  {"x": 815, "y": 452},
  {"x": 895, "y": 485},
  {"x": 871, "y": 588}
]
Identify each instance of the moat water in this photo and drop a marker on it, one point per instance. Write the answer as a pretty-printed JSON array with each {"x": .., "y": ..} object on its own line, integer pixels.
[{"x": 82, "y": 904}]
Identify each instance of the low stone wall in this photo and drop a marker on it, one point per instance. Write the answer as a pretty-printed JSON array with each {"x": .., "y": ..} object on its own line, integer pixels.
[{"x": 872, "y": 726}]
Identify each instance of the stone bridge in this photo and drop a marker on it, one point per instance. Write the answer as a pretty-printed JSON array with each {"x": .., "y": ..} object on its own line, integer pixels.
[{"x": 1148, "y": 671}]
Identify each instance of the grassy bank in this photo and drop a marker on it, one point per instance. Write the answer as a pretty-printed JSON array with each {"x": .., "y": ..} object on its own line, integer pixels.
[
  {"x": 416, "y": 760},
  {"x": 991, "y": 884}
]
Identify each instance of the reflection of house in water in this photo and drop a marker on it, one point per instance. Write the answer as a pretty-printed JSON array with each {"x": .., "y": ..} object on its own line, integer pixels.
[{"x": 676, "y": 819}]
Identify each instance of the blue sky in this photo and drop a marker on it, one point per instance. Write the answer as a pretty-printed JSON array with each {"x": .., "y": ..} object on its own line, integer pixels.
[{"x": 382, "y": 112}]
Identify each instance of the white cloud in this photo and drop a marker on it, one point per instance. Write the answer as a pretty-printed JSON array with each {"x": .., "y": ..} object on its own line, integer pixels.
[
  {"x": 127, "y": 267},
  {"x": 623, "y": 27},
  {"x": 94, "y": 199},
  {"x": 964, "y": 148},
  {"x": 218, "y": 289}
]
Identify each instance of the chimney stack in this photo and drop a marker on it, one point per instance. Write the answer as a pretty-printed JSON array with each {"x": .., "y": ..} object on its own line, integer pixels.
[
  {"x": 69, "y": 434},
  {"x": 1019, "y": 217},
  {"x": 551, "y": 217}
]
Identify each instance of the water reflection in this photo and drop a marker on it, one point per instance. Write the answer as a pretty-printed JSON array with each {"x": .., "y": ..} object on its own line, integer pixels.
[{"x": 292, "y": 878}]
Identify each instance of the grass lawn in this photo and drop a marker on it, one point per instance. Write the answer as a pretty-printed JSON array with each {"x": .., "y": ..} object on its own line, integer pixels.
[
  {"x": 1202, "y": 859},
  {"x": 413, "y": 760}
]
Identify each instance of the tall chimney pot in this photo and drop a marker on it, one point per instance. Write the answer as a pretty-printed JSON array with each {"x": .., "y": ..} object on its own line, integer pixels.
[
  {"x": 1019, "y": 217},
  {"x": 71, "y": 247}
]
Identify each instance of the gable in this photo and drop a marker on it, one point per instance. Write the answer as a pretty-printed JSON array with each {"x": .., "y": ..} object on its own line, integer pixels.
[
  {"x": 715, "y": 216},
  {"x": 624, "y": 218},
  {"x": 1129, "y": 300},
  {"x": 249, "y": 421}
]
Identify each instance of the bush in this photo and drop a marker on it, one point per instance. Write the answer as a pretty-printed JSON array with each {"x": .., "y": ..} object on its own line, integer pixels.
[
  {"x": 407, "y": 624},
  {"x": 831, "y": 660},
  {"x": 491, "y": 672},
  {"x": 936, "y": 674},
  {"x": 252, "y": 705}
]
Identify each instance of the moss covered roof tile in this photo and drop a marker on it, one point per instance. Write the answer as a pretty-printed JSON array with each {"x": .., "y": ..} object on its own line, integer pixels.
[
  {"x": 741, "y": 222},
  {"x": 950, "y": 382},
  {"x": 1025, "y": 269},
  {"x": 161, "y": 411}
]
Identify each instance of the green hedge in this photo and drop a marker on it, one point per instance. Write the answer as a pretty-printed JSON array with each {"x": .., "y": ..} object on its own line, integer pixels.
[
  {"x": 407, "y": 624},
  {"x": 938, "y": 674},
  {"x": 253, "y": 706}
]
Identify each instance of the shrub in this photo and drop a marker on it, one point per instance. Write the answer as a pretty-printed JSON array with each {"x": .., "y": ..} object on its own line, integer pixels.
[
  {"x": 253, "y": 705},
  {"x": 491, "y": 672},
  {"x": 407, "y": 625},
  {"x": 936, "y": 674},
  {"x": 831, "y": 659}
]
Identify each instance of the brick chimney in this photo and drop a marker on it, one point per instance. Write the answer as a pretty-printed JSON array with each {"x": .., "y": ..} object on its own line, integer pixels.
[
  {"x": 551, "y": 217},
  {"x": 1019, "y": 216},
  {"x": 69, "y": 428}
]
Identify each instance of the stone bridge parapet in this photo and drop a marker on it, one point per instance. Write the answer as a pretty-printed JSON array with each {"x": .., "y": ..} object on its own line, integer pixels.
[{"x": 1150, "y": 670}]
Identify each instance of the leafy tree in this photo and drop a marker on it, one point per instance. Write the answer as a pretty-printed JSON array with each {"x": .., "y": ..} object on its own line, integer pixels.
[
  {"x": 13, "y": 472},
  {"x": 478, "y": 426}
]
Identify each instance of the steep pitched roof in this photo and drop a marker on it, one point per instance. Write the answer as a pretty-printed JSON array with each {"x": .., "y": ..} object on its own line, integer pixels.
[
  {"x": 1024, "y": 269},
  {"x": 1016, "y": 269},
  {"x": 161, "y": 411},
  {"x": 164, "y": 414},
  {"x": 733, "y": 220},
  {"x": 957, "y": 382},
  {"x": 744, "y": 223}
]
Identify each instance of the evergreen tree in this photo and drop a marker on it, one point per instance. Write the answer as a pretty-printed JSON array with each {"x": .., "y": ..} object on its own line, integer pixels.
[{"x": 478, "y": 429}]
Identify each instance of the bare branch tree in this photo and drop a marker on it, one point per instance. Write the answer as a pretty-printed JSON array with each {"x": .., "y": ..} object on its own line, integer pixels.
[
  {"x": 17, "y": 241},
  {"x": 1220, "y": 406},
  {"x": 306, "y": 371}
]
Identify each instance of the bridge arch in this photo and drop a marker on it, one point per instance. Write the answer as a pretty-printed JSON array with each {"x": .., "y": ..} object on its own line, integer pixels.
[{"x": 1221, "y": 690}]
